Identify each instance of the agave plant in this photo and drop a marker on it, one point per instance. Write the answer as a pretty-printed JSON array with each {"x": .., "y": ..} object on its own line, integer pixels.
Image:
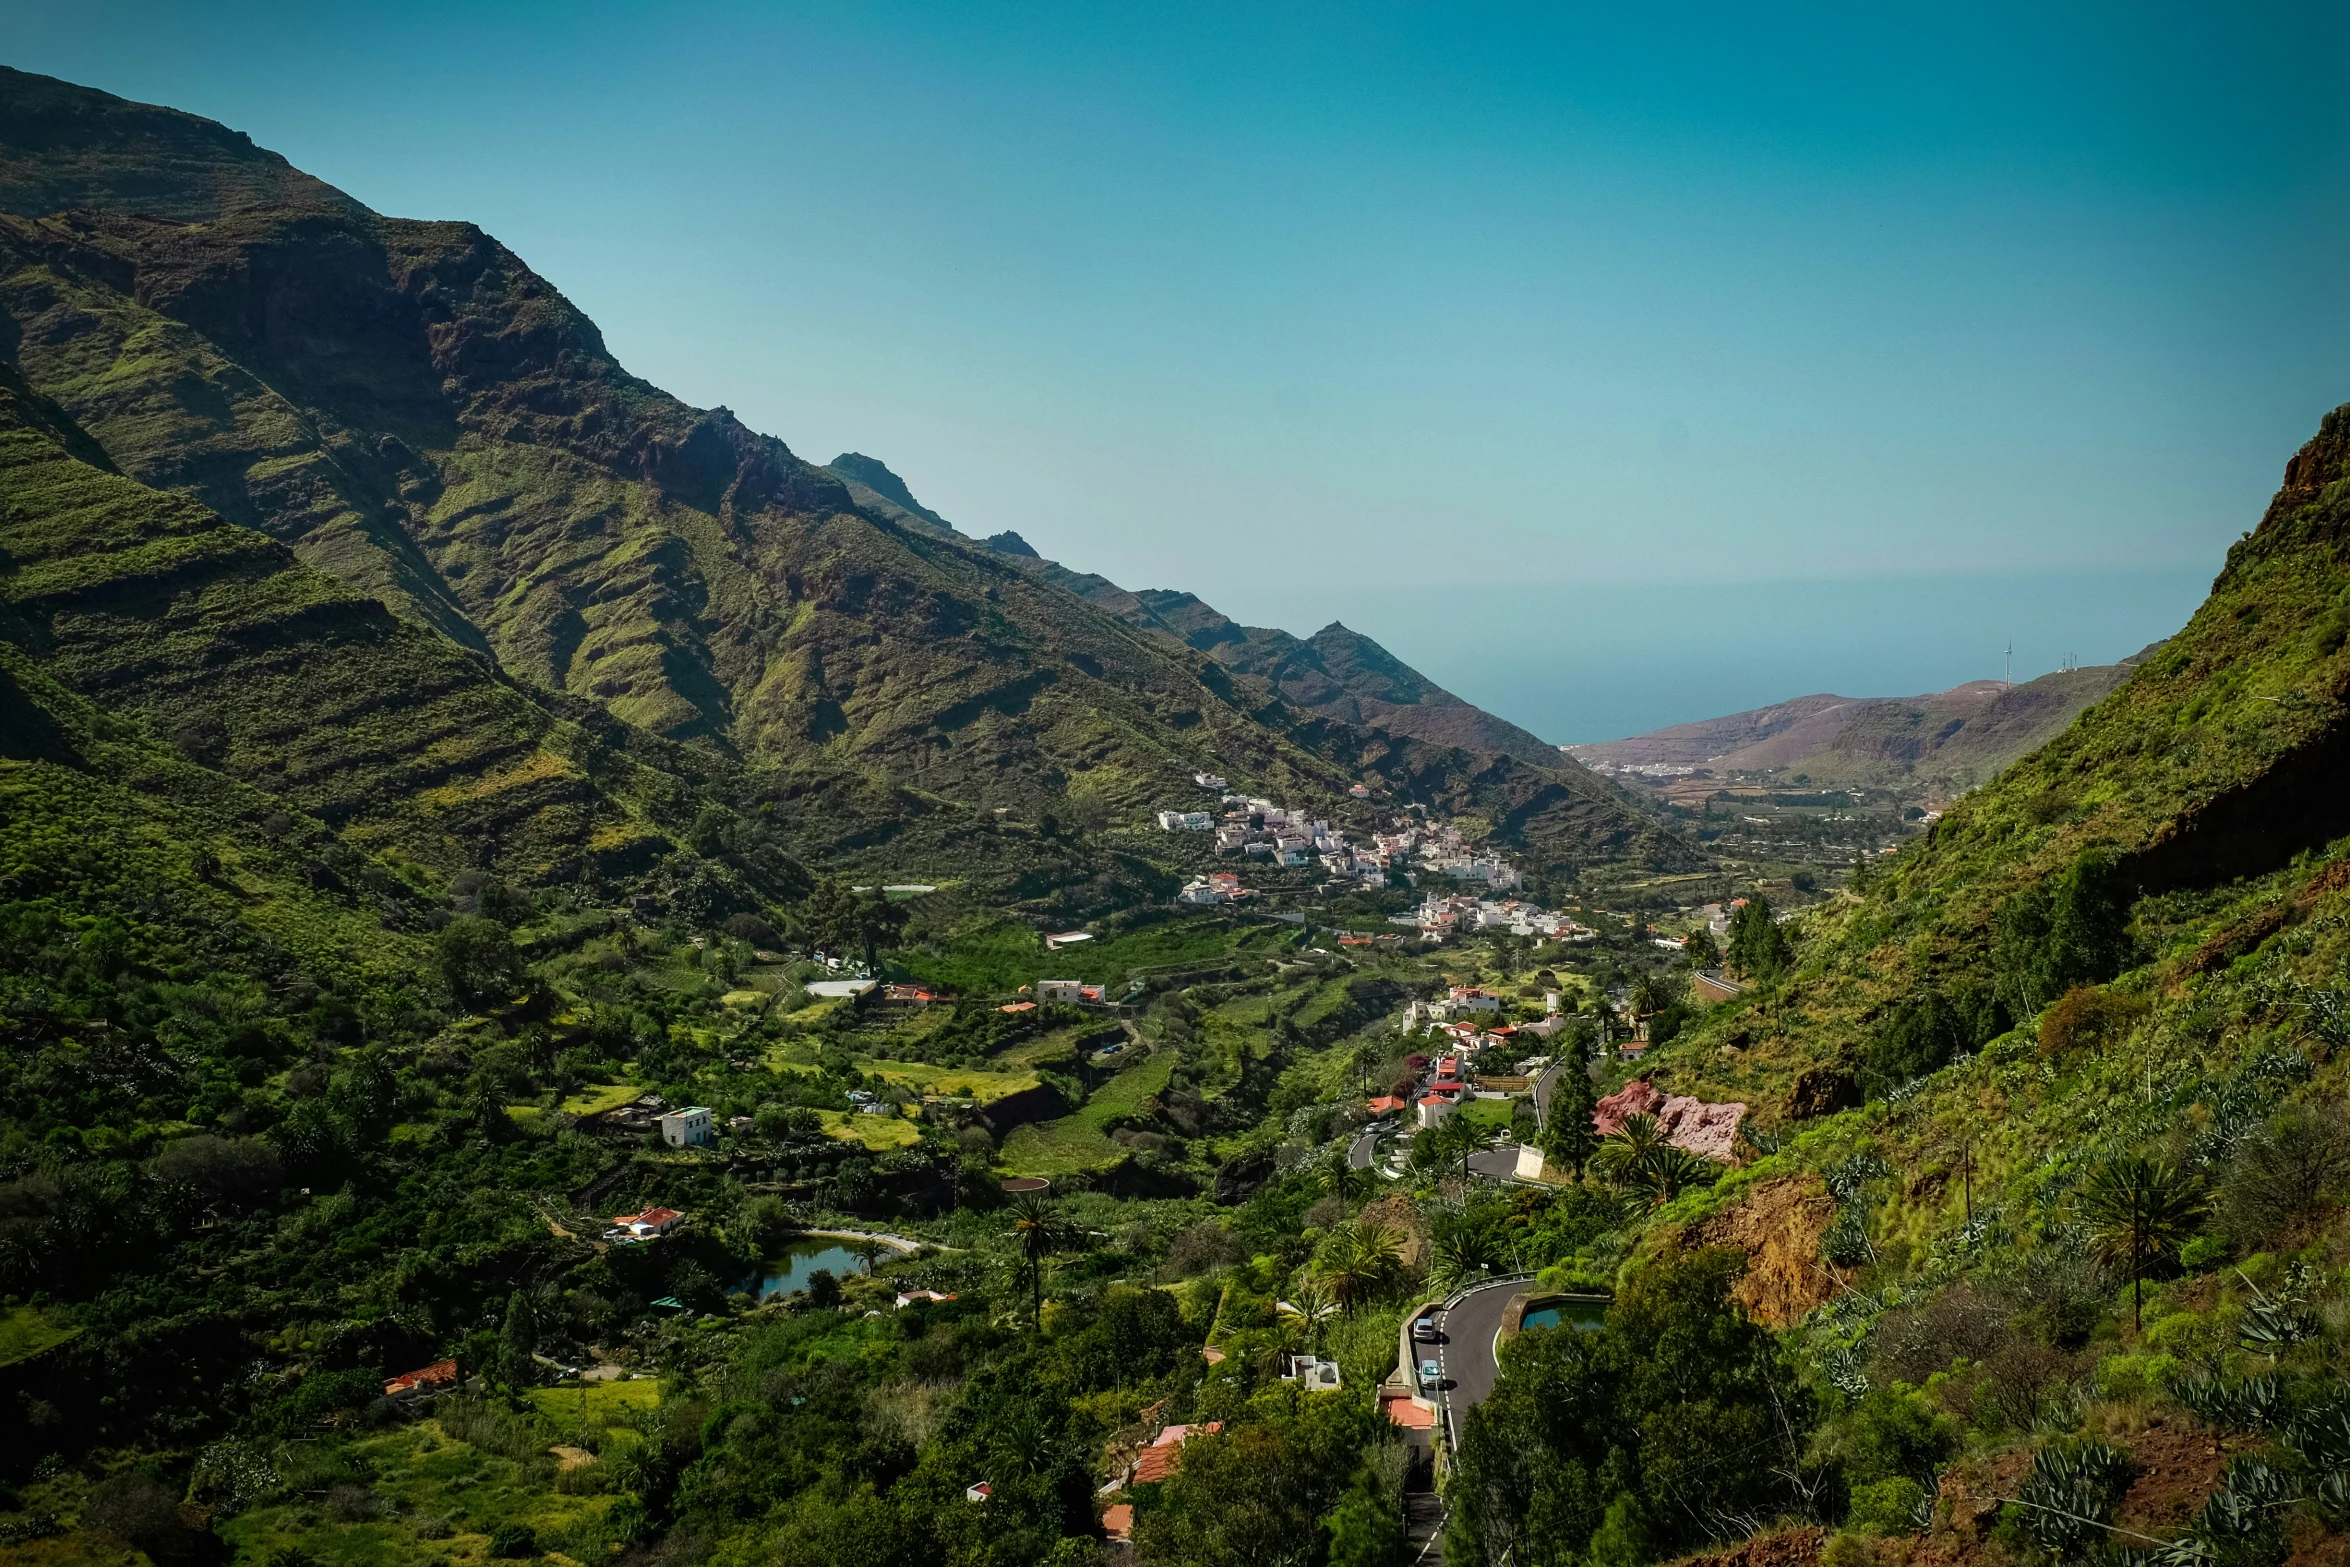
[
  {"x": 2070, "y": 1495},
  {"x": 2248, "y": 1508}
]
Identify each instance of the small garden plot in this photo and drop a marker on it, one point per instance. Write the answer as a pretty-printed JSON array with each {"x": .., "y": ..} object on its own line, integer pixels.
[
  {"x": 950, "y": 1082},
  {"x": 596, "y": 1098},
  {"x": 25, "y": 1331},
  {"x": 877, "y": 1132}
]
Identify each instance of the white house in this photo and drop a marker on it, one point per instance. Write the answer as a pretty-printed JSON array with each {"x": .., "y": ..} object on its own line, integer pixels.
[
  {"x": 1197, "y": 821},
  {"x": 1170, "y": 821},
  {"x": 688, "y": 1128},
  {"x": 1069, "y": 992},
  {"x": 1312, "y": 1374},
  {"x": 1210, "y": 780}
]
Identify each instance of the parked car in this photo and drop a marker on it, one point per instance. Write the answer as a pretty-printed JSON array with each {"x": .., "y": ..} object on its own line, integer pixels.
[
  {"x": 1424, "y": 1330},
  {"x": 1431, "y": 1376}
]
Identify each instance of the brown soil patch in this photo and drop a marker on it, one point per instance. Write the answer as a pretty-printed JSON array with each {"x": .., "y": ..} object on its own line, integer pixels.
[
  {"x": 572, "y": 1457},
  {"x": 1784, "y": 1548},
  {"x": 1404, "y": 1222},
  {"x": 1778, "y": 1226},
  {"x": 2178, "y": 1469}
]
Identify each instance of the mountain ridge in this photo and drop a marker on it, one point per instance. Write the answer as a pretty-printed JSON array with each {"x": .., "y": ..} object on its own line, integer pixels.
[{"x": 407, "y": 406}]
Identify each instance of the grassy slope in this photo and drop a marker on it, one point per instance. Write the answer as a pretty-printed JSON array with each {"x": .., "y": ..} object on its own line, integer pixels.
[{"x": 2207, "y": 774}]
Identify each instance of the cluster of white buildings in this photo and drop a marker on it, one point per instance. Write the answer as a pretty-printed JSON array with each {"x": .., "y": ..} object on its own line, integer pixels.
[
  {"x": 1259, "y": 828},
  {"x": 1448, "y": 914}
]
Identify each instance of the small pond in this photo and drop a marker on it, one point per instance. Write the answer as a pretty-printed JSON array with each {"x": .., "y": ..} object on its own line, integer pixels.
[
  {"x": 790, "y": 1271},
  {"x": 1584, "y": 1315}
]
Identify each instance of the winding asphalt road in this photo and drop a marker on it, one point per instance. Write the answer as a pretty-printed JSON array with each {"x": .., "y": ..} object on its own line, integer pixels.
[
  {"x": 1542, "y": 1087},
  {"x": 1365, "y": 1147},
  {"x": 1471, "y": 1330}
]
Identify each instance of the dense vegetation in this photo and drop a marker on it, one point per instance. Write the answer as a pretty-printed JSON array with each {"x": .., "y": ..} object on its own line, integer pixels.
[{"x": 421, "y": 744}]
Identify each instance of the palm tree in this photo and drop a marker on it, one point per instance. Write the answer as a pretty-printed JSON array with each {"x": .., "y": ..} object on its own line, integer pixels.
[
  {"x": 1341, "y": 1179},
  {"x": 2137, "y": 1209},
  {"x": 1666, "y": 1172},
  {"x": 1637, "y": 1156},
  {"x": 1358, "y": 1260},
  {"x": 1461, "y": 1257},
  {"x": 1311, "y": 1311},
  {"x": 1274, "y": 1346},
  {"x": 1621, "y": 1151},
  {"x": 1466, "y": 1136},
  {"x": 1037, "y": 1233}
]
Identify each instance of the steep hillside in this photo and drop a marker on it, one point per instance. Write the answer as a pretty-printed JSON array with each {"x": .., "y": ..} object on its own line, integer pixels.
[
  {"x": 219, "y": 641},
  {"x": 408, "y": 407},
  {"x": 1336, "y": 673},
  {"x": 2214, "y": 764}
]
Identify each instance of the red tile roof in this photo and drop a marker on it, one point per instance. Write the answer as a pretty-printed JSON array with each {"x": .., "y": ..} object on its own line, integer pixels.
[
  {"x": 1165, "y": 1454},
  {"x": 441, "y": 1373}
]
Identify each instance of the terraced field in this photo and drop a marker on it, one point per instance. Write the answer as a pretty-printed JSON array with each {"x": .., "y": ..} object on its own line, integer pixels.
[{"x": 1078, "y": 1143}]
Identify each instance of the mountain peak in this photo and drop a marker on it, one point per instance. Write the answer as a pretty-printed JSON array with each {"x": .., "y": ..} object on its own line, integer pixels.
[
  {"x": 76, "y": 147},
  {"x": 1010, "y": 543},
  {"x": 876, "y": 476}
]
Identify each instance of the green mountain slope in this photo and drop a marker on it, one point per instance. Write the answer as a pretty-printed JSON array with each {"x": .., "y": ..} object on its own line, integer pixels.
[
  {"x": 2217, "y": 760},
  {"x": 219, "y": 641},
  {"x": 406, "y": 406}
]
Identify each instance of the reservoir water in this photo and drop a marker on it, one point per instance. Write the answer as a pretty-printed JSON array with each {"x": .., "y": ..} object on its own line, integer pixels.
[{"x": 780, "y": 1275}]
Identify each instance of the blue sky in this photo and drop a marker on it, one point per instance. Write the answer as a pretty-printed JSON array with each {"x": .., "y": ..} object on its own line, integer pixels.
[{"x": 1616, "y": 370}]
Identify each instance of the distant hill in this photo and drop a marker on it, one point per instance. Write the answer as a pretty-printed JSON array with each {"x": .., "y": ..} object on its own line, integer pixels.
[{"x": 1944, "y": 742}]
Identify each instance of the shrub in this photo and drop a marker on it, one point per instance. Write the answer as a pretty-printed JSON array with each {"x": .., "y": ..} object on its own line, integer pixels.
[
  {"x": 2088, "y": 1017},
  {"x": 1893, "y": 1434},
  {"x": 513, "y": 1540},
  {"x": 1888, "y": 1506},
  {"x": 2066, "y": 930}
]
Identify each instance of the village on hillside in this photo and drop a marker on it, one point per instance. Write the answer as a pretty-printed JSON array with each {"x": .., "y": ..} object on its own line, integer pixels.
[{"x": 1257, "y": 828}]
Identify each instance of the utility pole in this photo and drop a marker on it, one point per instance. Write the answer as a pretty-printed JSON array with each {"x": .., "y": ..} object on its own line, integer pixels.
[{"x": 2008, "y": 671}]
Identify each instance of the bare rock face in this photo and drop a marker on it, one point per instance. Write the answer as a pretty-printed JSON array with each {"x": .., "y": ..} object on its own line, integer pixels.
[
  {"x": 1778, "y": 1226},
  {"x": 1638, "y": 1097},
  {"x": 1694, "y": 1124},
  {"x": 1702, "y": 1128}
]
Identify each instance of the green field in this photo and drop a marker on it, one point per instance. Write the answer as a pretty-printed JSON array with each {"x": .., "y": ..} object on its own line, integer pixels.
[
  {"x": 575, "y": 1410},
  {"x": 25, "y": 1331},
  {"x": 1077, "y": 1142},
  {"x": 425, "y": 1471},
  {"x": 596, "y": 1098},
  {"x": 874, "y": 1131},
  {"x": 1489, "y": 1112},
  {"x": 950, "y": 1082}
]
